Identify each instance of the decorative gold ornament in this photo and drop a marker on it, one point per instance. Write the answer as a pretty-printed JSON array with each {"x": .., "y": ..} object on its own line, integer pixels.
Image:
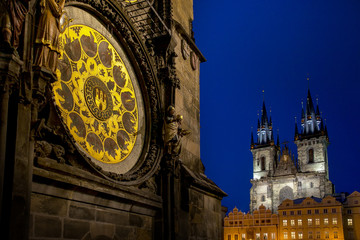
[{"x": 95, "y": 95}]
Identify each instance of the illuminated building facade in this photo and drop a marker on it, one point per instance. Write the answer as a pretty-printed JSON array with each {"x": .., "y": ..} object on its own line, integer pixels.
[
  {"x": 261, "y": 224},
  {"x": 311, "y": 218},
  {"x": 351, "y": 216},
  {"x": 278, "y": 178}
]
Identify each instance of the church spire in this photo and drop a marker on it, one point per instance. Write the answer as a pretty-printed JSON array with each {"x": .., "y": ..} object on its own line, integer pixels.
[
  {"x": 311, "y": 121},
  {"x": 264, "y": 131}
]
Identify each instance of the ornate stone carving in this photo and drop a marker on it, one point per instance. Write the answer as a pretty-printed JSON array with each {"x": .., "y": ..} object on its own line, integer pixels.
[
  {"x": 173, "y": 132},
  {"x": 11, "y": 22},
  {"x": 47, "y": 37}
]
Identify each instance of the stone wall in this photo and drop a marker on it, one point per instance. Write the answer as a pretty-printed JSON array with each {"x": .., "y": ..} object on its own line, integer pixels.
[{"x": 269, "y": 154}]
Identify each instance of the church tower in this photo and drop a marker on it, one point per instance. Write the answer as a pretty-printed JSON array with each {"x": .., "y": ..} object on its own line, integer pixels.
[
  {"x": 312, "y": 141},
  {"x": 265, "y": 155},
  {"x": 264, "y": 150}
]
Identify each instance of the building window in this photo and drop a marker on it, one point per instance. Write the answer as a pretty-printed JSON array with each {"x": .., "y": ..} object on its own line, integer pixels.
[
  {"x": 263, "y": 198},
  {"x": 272, "y": 236},
  {"x": 336, "y": 235},
  {"x": 293, "y": 235},
  {"x": 236, "y": 237},
  {"x": 243, "y": 236},
  {"x": 326, "y": 234},
  {"x": 265, "y": 236},
  {"x": 348, "y": 211},
  {"x": 300, "y": 235},
  {"x": 310, "y": 235},
  {"x": 292, "y": 222},
  {"x": 262, "y": 163},
  {"x": 311, "y": 155},
  {"x": 299, "y": 184},
  {"x": 257, "y": 221},
  {"x": 284, "y": 213},
  {"x": 299, "y": 212},
  {"x": 291, "y": 212},
  {"x": 240, "y": 222},
  {"x": 356, "y": 202},
  {"x": 258, "y": 236},
  {"x": 311, "y": 185},
  {"x": 284, "y": 223},
  {"x": 333, "y": 210},
  {"x": 325, "y": 210},
  {"x": 309, "y": 221},
  {"x": 229, "y": 237},
  {"x": 268, "y": 221},
  {"x": 334, "y": 221},
  {"x": 317, "y": 221},
  {"x": 299, "y": 222},
  {"x": 309, "y": 211},
  {"x": 285, "y": 235},
  {"x": 349, "y": 222},
  {"x": 318, "y": 235},
  {"x": 316, "y": 211},
  {"x": 326, "y": 221}
]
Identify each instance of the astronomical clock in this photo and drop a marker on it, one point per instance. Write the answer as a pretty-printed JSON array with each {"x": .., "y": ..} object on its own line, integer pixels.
[{"x": 100, "y": 98}]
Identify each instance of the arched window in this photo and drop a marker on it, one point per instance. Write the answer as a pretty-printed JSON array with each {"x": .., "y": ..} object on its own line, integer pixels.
[
  {"x": 311, "y": 155},
  {"x": 262, "y": 163},
  {"x": 311, "y": 185},
  {"x": 263, "y": 198}
]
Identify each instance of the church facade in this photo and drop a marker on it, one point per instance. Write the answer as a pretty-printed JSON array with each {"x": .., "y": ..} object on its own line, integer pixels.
[
  {"x": 277, "y": 175},
  {"x": 99, "y": 126}
]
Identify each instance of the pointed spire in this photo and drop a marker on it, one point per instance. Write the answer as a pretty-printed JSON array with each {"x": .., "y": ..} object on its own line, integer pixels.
[
  {"x": 264, "y": 118},
  {"x": 309, "y": 104},
  {"x": 278, "y": 138}
]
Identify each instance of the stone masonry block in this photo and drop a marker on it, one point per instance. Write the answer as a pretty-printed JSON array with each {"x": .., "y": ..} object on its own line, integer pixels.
[
  {"x": 48, "y": 205},
  {"x": 118, "y": 218},
  {"x": 75, "y": 229},
  {"x": 46, "y": 226},
  {"x": 81, "y": 213}
]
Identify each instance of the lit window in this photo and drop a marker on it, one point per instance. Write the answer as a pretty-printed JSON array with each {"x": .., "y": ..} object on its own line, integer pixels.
[
  {"x": 265, "y": 236},
  {"x": 243, "y": 236},
  {"x": 293, "y": 236},
  {"x": 336, "y": 235},
  {"x": 326, "y": 221},
  {"x": 292, "y": 222},
  {"x": 284, "y": 223},
  {"x": 299, "y": 222},
  {"x": 285, "y": 235},
  {"x": 310, "y": 235},
  {"x": 309, "y": 221},
  {"x": 350, "y": 223},
  {"x": 300, "y": 235},
  {"x": 236, "y": 237},
  {"x": 272, "y": 236},
  {"x": 258, "y": 236},
  {"x": 318, "y": 235},
  {"x": 317, "y": 221},
  {"x": 326, "y": 234},
  {"x": 334, "y": 221},
  {"x": 325, "y": 210}
]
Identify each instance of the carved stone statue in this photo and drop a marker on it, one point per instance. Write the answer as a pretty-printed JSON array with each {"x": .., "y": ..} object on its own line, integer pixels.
[
  {"x": 173, "y": 132},
  {"x": 11, "y": 21},
  {"x": 47, "y": 37}
]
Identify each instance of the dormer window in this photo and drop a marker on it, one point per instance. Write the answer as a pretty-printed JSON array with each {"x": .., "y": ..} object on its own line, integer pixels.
[{"x": 311, "y": 155}]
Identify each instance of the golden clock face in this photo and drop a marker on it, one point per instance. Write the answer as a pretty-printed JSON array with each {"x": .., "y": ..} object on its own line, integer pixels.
[{"x": 95, "y": 95}]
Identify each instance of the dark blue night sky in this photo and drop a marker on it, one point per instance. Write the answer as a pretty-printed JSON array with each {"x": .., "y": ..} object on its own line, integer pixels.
[{"x": 273, "y": 45}]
